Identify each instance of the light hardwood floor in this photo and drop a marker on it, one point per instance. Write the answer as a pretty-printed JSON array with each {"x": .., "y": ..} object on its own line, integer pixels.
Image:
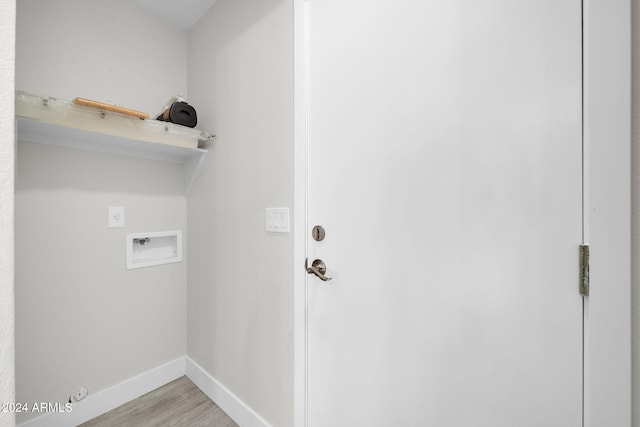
[{"x": 179, "y": 403}]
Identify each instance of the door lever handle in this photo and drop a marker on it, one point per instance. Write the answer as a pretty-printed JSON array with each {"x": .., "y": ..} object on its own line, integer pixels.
[{"x": 318, "y": 267}]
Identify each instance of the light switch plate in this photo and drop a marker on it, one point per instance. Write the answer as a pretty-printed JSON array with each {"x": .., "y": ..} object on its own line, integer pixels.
[
  {"x": 277, "y": 220},
  {"x": 116, "y": 217}
]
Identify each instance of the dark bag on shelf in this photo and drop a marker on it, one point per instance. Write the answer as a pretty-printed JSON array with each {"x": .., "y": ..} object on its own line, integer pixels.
[{"x": 180, "y": 113}]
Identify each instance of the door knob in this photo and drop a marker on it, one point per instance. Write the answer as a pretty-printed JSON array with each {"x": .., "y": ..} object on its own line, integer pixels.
[{"x": 319, "y": 268}]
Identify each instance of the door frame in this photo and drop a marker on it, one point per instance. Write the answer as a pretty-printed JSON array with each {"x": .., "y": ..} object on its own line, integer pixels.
[{"x": 606, "y": 211}]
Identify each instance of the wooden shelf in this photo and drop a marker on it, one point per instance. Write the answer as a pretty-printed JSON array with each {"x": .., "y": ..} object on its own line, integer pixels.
[{"x": 62, "y": 123}]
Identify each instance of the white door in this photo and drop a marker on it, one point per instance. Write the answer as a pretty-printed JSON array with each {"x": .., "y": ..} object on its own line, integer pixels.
[{"x": 444, "y": 163}]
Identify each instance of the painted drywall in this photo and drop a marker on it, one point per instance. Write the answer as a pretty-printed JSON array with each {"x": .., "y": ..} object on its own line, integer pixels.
[
  {"x": 635, "y": 223},
  {"x": 240, "y": 278},
  {"x": 7, "y": 135},
  {"x": 111, "y": 51},
  {"x": 82, "y": 319},
  {"x": 183, "y": 14}
]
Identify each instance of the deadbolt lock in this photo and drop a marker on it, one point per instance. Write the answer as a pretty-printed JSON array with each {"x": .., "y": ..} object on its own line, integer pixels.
[{"x": 318, "y": 233}]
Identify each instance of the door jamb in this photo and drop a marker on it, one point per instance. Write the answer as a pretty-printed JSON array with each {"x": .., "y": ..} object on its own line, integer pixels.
[
  {"x": 300, "y": 227},
  {"x": 607, "y": 211}
]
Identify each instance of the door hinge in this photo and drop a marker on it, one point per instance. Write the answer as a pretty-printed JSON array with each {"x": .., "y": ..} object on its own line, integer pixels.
[{"x": 584, "y": 270}]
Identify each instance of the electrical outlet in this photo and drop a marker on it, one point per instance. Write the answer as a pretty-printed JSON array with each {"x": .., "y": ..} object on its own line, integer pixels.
[
  {"x": 80, "y": 394},
  {"x": 116, "y": 216}
]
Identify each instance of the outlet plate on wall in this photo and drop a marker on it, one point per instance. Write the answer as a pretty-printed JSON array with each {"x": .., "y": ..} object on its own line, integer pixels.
[{"x": 116, "y": 217}]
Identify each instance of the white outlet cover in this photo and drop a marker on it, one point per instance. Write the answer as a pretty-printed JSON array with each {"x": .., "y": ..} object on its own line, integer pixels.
[
  {"x": 277, "y": 220},
  {"x": 79, "y": 395},
  {"x": 116, "y": 217}
]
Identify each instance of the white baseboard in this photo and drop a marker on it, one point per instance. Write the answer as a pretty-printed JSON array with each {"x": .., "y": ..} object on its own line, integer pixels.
[
  {"x": 239, "y": 411},
  {"x": 106, "y": 400}
]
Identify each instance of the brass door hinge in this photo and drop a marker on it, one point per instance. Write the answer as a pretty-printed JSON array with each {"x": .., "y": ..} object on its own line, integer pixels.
[{"x": 584, "y": 270}]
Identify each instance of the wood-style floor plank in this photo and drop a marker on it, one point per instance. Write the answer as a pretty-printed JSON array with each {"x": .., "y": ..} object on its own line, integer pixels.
[{"x": 177, "y": 404}]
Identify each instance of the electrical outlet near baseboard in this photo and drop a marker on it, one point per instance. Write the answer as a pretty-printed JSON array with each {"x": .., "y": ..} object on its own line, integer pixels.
[{"x": 78, "y": 395}]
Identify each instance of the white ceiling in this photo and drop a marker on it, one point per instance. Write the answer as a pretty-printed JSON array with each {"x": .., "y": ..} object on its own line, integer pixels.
[{"x": 182, "y": 14}]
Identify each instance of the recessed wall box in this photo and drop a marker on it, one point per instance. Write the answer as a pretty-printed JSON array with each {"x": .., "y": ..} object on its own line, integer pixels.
[{"x": 148, "y": 249}]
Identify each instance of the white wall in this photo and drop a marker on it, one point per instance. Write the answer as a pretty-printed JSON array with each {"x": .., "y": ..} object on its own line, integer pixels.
[
  {"x": 240, "y": 297},
  {"x": 81, "y": 318},
  {"x": 111, "y": 51},
  {"x": 635, "y": 224},
  {"x": 7, "y": 62}
]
